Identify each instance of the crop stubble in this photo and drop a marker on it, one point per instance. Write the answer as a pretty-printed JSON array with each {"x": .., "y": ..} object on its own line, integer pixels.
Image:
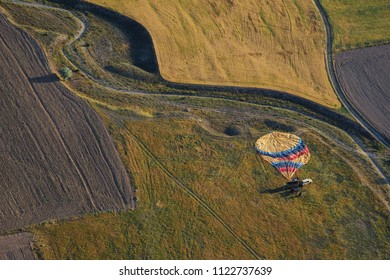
[{"x": 57, "y": 159}]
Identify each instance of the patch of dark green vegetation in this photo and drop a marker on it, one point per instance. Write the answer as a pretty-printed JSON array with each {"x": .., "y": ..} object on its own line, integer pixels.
[{"x": 232, "y": 130}]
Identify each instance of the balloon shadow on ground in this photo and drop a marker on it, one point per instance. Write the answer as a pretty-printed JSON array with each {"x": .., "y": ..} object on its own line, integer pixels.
[
  {"x": 277, "y": 190},
  {"x": 283, "y": 191}
]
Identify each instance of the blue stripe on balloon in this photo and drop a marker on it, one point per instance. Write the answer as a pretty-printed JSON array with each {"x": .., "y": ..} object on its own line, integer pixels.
[
  {"x": 296, "y": 149},
  {"x": 279, "y": 164}
]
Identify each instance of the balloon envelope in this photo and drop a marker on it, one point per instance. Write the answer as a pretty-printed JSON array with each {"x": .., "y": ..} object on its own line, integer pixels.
[{"x": 285, "y": 151}]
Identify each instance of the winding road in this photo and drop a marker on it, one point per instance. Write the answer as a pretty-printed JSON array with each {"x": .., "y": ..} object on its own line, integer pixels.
[
  {"x": 336, "y": 85},
  {"x": 329, "y": 63},
  {"x": 81, "y": 30},
  {"x": 334, "y": 116}
]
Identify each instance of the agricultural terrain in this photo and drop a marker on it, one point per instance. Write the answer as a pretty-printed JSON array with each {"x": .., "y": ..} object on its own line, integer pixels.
[
  {"x": 202, "y": 191},
  {"x": 16, "y": 247},
  {"x": 276, "y": 45},
  {"x": 57, "y": 157},
  {"x": 358, "y": 23},
  {"x": 364, "y": 76}
]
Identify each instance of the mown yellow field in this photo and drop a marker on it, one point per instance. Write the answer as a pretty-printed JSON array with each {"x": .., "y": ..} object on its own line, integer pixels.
[{"x": 277, "y": 45}]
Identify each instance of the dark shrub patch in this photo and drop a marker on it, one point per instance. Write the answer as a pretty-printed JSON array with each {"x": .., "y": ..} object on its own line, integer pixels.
[{"x": 232, "y": 130}]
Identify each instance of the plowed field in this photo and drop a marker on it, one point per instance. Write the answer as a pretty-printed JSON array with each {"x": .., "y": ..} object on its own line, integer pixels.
[
  {"x": 364, "y": 76},
  {"x": 16, "y": 247},
  {"x": 57, "y": 159}
]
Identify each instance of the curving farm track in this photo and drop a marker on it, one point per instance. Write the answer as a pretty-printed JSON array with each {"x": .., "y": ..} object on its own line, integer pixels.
[{"x": 353, "y": 106}]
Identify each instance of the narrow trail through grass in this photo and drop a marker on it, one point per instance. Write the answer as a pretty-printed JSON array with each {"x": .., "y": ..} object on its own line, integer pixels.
[{"x": 195, "y": 197}]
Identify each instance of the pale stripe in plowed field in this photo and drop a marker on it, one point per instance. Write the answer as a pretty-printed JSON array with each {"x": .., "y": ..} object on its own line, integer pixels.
[{"x": 57, "y": 159}]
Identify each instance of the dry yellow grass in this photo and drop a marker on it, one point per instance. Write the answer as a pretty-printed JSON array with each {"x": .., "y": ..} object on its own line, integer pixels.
[{"x": 277, "y": 45}]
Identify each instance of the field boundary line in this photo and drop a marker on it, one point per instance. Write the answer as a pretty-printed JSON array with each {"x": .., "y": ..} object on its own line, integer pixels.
[
  {"x": 196, "y": 197},
  {"x": 76, "y": 165},
  {"x": 324, "y": 111},
  {"x": 335, "y": 83}
]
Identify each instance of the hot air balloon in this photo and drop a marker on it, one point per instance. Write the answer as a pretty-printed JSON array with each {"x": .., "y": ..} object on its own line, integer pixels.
[{"x": 286, "y": 152}]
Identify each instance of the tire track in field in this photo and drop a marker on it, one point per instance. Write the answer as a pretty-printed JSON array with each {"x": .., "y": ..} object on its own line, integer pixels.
[
  {"x": 100, "y": 147},
  {"x": 196, "y": 197},
  {"x": 358, "y": 173},
  {"x": 37, "y": 5},
  {"x": 78, "y": 170},
  {"x": 289, "y": 18},
  {"x": 358, "y": 150}
]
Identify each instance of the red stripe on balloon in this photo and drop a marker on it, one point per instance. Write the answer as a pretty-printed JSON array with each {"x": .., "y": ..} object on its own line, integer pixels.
[
  {"x": 288, "y": 169},
  {"x": 295, "y": 156}
]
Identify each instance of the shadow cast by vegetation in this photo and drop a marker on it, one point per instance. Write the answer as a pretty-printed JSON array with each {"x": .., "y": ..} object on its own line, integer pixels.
[
  {"x": 232, "y": 130},
  {"x": 51, "y": 78},
  {"x": 142, "y": 53},
  {"x": 144, "y": 57}
]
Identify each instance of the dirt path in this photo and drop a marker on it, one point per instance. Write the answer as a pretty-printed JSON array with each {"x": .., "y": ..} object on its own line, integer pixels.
[
  {"x": 196, "y": 197},
  {"x": 355, "y": 112},
  {"x": 362, "y": 179},
  {"x": 81, "y": 30}
]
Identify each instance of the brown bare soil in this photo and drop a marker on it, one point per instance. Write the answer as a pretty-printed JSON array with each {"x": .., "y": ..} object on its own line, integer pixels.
[
  {"x": 16, "y": 247},
  {"x": 364, "y": 76},
  {"x": 57, "y": 159}
]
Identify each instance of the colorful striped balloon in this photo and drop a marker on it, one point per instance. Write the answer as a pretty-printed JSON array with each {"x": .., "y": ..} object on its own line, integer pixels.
[{"x": 286, "y": 152}]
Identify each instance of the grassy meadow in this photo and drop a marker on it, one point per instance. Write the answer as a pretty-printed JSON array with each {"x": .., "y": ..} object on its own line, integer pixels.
[
  {"x": 358, "y": 23},
  {"x": 203, "y": 194},
  {"x": 278, "y": 45}
]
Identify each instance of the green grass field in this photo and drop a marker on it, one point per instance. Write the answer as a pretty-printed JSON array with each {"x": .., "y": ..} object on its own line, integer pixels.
[
  {"x": 358, "y": 23},
  {"x": 202, "y": 194},
  {"x": 187, "y": 171}
]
